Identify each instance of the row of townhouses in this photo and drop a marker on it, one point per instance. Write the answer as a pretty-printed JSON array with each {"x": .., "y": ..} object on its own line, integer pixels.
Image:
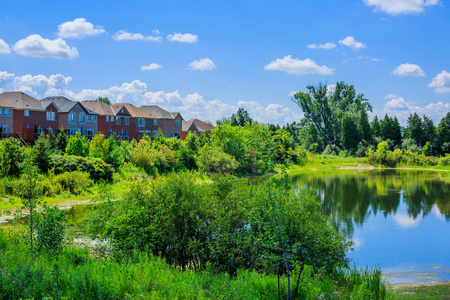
[{"x": 27, "y": 117}]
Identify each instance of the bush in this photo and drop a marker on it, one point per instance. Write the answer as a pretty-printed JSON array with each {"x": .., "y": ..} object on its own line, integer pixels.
[
  {"x": 331, "y": 149},
  {"x": 74, "y": 182},
  {"x": 50, "y": 228},
  {"x": 96, "y": 167},
  {"x": 212, "y": 159},
  {"x": 11, "y": 157}
]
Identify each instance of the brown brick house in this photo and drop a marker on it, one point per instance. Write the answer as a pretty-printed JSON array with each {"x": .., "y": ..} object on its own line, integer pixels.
[
  {"x": 140, "y": 121},
  {"x": 196, "y": 126},
  {"x": 168, "y": 123},
  {"x": 6, "y": 117}
]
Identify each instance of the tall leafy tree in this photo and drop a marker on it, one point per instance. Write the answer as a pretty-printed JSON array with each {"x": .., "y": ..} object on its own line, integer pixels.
[
  {"x": 241, "y": 117},
  {"x": 364, "y": 130},
  {"x": 375, "y": 127},
  {"x": 349, "y": 134},
  {"x": 443, "y": 132},
  {"x": 104, "y": 100},
  {"x": 326, "y": 109},
  {"x": 429, "y": 130},
  {"x": 414, "y": 129}
]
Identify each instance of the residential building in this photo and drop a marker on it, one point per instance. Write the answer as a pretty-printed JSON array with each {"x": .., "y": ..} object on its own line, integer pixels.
[
  {"x": 29, "y": 117},
  {"x": 140, "y": 121},
  {"x": 6, "y": 117},
  {"x": 73, "y": 116},
  {"x": 196, "y": 126},
  {"x": 106, "y": 120},
  {"x": 168, "y": 123}
]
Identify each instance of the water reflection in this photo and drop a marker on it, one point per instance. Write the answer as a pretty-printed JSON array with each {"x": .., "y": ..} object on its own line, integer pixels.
[{"x": 350, "y": 198}]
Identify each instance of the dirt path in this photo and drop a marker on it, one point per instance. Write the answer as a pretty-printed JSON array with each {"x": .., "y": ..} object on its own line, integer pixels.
[{"x": 398, "y": 286}]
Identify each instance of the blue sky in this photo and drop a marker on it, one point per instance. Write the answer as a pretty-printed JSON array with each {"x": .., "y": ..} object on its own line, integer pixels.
[{"x": 207, "y": 58}]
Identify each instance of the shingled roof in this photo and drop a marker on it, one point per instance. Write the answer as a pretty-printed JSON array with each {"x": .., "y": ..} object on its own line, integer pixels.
[
  {"x": 4, "y": 104},
  {"x": 157, "y": 112},
  {"x": 134, "y": 111},
  {"x": 99, "y": 107},
  {"x": 21, "y": 100},
  {"x": 202, "y": 126}
]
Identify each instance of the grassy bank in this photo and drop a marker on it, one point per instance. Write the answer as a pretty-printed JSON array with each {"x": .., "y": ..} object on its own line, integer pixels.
[{"x": 425, "y": 291}]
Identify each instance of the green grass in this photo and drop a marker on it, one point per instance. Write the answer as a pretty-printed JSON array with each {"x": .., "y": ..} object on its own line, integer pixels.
[{"x": 441, "y": 291}]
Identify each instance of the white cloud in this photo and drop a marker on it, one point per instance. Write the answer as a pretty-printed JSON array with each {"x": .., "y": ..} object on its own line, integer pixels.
[
  {"x": 330, "y": 89},
  {"x": 397, "y": 7},
  {"x": 156, "y": 31},
  {"x": 123, "y": 35},
  {"x": 441, "y": 82},
  {"x": 297, "y": 66},
  {"x": 408, "y": 70},
  {"x": 79, "y": 28},
  {"x": 150, "y": 67},
  {"x": 36, "y": 46},
  {"x": 190, "y": 106},
  {"x": 350, "y": 41},
  {"x": 5, "y": 78},
  {"x": 41, "y": 85},
  {"x": 402, "y": 109},
  {"x": 322, "y": 46},
  {"x": 404, "y": 221},
  {"x": 202, "y": 64},
  {"x": 182, "y": 38},
  {"x": 4, "y": 47}
]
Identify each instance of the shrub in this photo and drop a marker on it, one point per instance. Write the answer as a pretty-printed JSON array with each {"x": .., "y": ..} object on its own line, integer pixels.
[
  {"x": 50, "y": 228},
  {"x": 331, "y": 149},
  {"x": 74, "y": 182},
  {"x": 78, "y": 145},
  {"x": 11, "y": 156},
  {"x": 96, "y": 167},
  {"x": 212, "y": 159}
]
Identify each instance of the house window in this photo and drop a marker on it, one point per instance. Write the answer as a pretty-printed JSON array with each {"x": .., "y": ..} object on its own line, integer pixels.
[
  {"x": 82, "y": 117},
  {"x": 155, "y": 132},
  {"x": 165, "y": 121},
  {"x": 74, "y": 130},
  {"x": 141, "y": 122},
  {"x": 171, "y": 134},
  {"x": 177, "y": 123},
  {"x": 50, "y": 116},
  {"x": 107, "y": 118},
  {"x": 1, "y": 111},
  {"x": 195, "y": 132},
  {"x": 26, "y": 113},
  {"x": 94, "y": 118},
  {"x": 165, "y": 133},
  {"x": 127, "y": 121},
  {"x": 50, "y": 130},
  {"x": 118, "y": 120},
  {"x": 39, "y": 130},
  {"x": 89, "y": 132},
  {"x": 89, "y": 118},
  {"x": 8, "y": 111},
  {"x": 177, "y": 134},
  {"x": 112, "y": 119},
  {"x": 5, "y": 128},
  {"x": 155, "y": 122},
  {"x": 72, "y": 117}
]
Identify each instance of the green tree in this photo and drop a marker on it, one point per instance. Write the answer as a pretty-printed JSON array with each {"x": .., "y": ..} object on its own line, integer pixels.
[
  {"x": 61, "y": 140},
  {"x": 375, "y": 127},
  {"x": 11, "y": 157},
  {"x": 427, "y": 150},
  {"x": 78, "y": 145},
  {"x": 364, "y": 131},
  {"x": 104, "y": 100},
  {"x": 240, "y": 118},
  {"x": 325, "y": 110},
  {"x": 29, "y": 189},
  {"x": 50, "y": 226},
  {"x": 41, "y": 153},
  {"x": 429, "y": 130},
  {"x": 443, "y": 132},
  {"x": 414, "y": 129},
  {"x": 349, "y": 134}
]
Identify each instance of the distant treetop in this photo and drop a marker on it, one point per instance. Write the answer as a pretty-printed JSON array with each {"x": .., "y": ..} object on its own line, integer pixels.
[{"x": 104, "y": 100}]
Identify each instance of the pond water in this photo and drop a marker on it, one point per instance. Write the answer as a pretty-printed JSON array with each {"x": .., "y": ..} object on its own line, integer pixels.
[{"x": 398, "y": 220}]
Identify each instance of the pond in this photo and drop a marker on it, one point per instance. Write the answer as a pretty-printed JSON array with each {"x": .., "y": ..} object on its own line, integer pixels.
[{"x": 398, "y": 220}]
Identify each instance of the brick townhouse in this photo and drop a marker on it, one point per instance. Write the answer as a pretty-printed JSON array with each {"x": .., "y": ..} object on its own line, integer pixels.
[{"x": 168, "y": 123}]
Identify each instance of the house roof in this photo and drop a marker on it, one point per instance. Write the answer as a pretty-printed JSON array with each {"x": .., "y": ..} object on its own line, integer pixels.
[
  {"x": 4, "y": 104},
  {"x": 21, "y": 100},
  {"x": 202, "y": 126},
  {"x": 185, "y": 125},
  {"x": 64, "y": 104},
  {"x": 176, "y": 114},
  {"x": 157, "y": 112},
  {"x": 135, "y": 112},
  {"x": 98, "y": 107},
  {"x": 118, "y": 107}
]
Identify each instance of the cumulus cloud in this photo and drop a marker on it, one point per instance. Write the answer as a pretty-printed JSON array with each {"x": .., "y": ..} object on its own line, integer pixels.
[
  {"x": 202, "y": 64},
  {"x": 190, "y": 106},
  {"x": 4, "y": 47},
  {"x": 79, "y": 28},
  {"x": 150, "y": 67},
  {"x": 441, "y": 83},
  {"x": 36, "y": 46},
  {"x": 322, "y": 46},
  {"x": 5, "y": 78},
  {"x": 155, "y": 31},
  {"x": 397, "y": 7},
  {"x": 404, "y": 221},
  {"x": 297, "y": 66},
  {"x": 123, "y": 35},
  {"x": 350, "y": 41},
  {"x": 402, "y": 109},
  {"x": 182, "y": 38},
  {"x": 41, "y": 85},
  {"x": 408, "y": 70}
]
